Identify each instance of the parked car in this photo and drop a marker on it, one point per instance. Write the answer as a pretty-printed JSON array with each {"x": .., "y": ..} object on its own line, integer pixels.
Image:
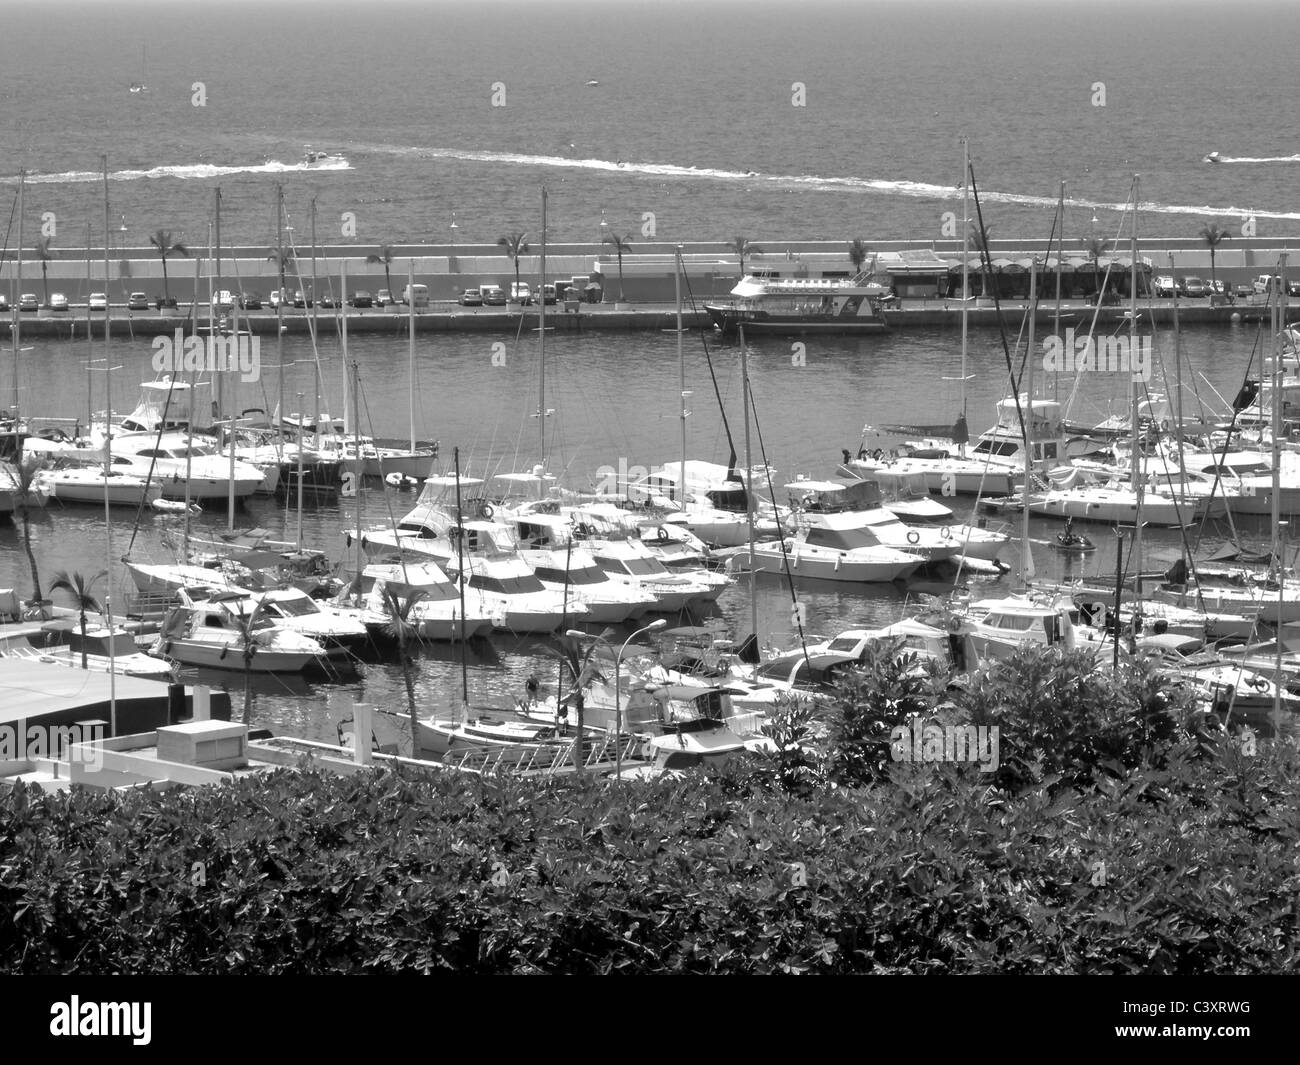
[
  {"x": 328, "y": 300},
  {"x": 276, "y": 299},
  {"x": 521, "y": 293},
  {"x": 1266, "y": 283},
  {"x": 385, "y": 298},
  {"x": 223, "y": 301},
  {"x": 98, "y": 301},
  {"x": 250, "y": 301},
  {"x": 363, "y": 299},
  {"x": 28, "y": 302},
  {"x": 1245, "y": 289},
  {"x": 4, "y": 303},
  {"x": 1293, "y": 288},
  {"x": 301, "y": 300},
  {"x": 548, "y": 294},
  {"x": 58, "y": 301},
  {"x": 493, "y": 295},
  {"x": 471, "y": 297},
  {"x": 417, "y": 294},
  {"x": 137, "y": 301},
  {"x": 1165, "y": 287},
  {"x": 165, "y": 302},
  {"x": 1194, "y": 287}
]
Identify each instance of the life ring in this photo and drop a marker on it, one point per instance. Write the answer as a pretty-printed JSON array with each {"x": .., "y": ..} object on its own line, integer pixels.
[
  {"x": 946, "y": 533},
  {"x": 663, "y": 536},
  {"x": 1260, "y": 684},
  {"x": 485, "y": 509},
  {"x": 913, "y": 537}
]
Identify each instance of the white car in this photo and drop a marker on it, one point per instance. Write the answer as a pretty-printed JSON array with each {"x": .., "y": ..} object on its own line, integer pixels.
[
  {"x": 58, "y": 301},
  {"x": 1165, "y": 286},
  {"x": 98, "y": 301},
  {"x": 521, "y": 293}
]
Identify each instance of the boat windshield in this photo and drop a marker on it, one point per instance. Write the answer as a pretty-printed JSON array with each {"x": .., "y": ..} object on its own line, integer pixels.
[
  {"x": 582, "y": 575},
  {"x": 844, "y": 644},
  {"x": 1002, "y": 448},
  {"x": 294, "y": 608},
  {"x": 522, "y": 584},
  {"x": 841, "y": 539},
  {"x": 644, "y": 567}
]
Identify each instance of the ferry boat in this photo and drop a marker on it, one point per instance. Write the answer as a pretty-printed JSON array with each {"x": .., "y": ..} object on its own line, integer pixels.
[{"x": 798, "y": 305}]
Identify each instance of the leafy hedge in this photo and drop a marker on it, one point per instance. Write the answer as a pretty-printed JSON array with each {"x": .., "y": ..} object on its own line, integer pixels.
[{"x": 1188, "y": 866}]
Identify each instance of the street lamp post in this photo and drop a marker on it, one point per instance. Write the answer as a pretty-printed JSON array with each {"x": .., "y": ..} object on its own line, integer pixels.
[{"x": 618, "y": 698}]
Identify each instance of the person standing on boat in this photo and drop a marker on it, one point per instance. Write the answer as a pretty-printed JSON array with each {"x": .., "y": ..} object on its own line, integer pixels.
[{"x": 960, "y": 434}]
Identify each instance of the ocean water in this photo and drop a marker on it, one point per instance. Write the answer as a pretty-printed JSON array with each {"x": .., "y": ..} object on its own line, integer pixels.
[{"x": 692, "y": 121}]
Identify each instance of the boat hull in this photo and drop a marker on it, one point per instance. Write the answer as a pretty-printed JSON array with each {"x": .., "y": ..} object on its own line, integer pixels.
[{"x": 729, "y": 320}]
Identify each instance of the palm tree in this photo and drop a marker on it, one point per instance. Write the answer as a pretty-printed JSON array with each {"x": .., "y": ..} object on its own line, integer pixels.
[
  {"x": 1213, "y": 234},
  {"x": 743, "y": 248},
  {"x": 162, "y": 240},
  {"x": 80, "y": 590},
  {"x": 25, "y": 473},
  {"x": 246, "y": 625},
  {"x": 977, "y": 240},
  {"x": 620, "y": 245},
  {"x": 404, "y": 631},
  {"x": 576, "y": 661},
  {"x": 858, "y": 252},
  {"x": 1095, "y": 247},
  {"x": 283, "y": 259},
  {"x": 515, "y": 244},
  {"x": 45, "y": 252},
  {"x": 384, "y": 255}
]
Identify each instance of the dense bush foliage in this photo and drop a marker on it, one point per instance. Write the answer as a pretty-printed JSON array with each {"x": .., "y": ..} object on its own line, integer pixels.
[{"x": 1114, "y": 843}]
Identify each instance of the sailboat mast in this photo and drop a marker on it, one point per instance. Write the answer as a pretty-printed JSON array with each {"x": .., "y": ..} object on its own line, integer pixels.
[
  {"x": 461, "y": 578},
  {"x": 749, "y": 495},
  {"x": 965, "y": 261},
  {"x": 1060, "y": 255},
  {"x": 356, "y": 437},
  {"x": 108, "y": 466},
  {"x": 410, "y": 349},
  {"x": 1135, "y": 473},
  {"x": 18, "y": 292},
  {"x": 279, "y": 321},
  {"x": 108, "y": 378},
  {"x": 1026, "y": 555},
  {"x": 681, "y": 375},
  {"x": 1275, "y": 509},
  {"x": 541, "y": 373},
  {"x": 90, "y": 345}
]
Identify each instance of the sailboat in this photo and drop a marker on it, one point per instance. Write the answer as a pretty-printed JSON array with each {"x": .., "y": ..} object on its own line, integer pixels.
[{"x": 138, "y": 87}]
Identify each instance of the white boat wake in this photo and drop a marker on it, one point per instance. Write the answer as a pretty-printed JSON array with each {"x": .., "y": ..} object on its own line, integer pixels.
[
  {"x": 911, "y": 189},
  {"x": 1255, "y": 159},
  {"x": 195, "y": 170}
]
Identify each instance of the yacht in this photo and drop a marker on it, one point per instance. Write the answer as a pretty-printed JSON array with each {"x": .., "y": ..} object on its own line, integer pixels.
[
  {"x": 206, "y": 634},
  {"x": 794, "y": 306},
  {"x": 436, "y": 614}
]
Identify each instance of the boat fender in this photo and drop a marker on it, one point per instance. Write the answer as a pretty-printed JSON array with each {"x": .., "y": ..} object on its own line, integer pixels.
[
  {"x": 222, "y": 657},
  {"x": 946, "y": 533},
  {"x": 913, "y": 537},
  {"x": 663, "y": 535},
  {"x": 485, "y": 509},
  {"x": 1259, "y": 683},
  {"x": 954, "y": 624},
  {"x": 347, "y": 539}
]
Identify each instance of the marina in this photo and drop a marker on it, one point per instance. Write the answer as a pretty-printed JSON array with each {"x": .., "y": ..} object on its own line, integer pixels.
[{"x": 547, "y": 492}]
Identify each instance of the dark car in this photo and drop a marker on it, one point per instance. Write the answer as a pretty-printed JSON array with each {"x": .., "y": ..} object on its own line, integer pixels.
[
  {"x": 548, "y": 294},
  {"x": 471, "y": 297},
  {"x": 300, "y": 300},
  {"x": 165, "y": 302},
  {"x": 137, "y": 301},
  {"x": 494, "y": 295},
  {"x": 1194, "y": 287},
  {"x": 250, "y": 301},
  {"x": 363, "y": 299},
  {"x": 328, "y": 301}
]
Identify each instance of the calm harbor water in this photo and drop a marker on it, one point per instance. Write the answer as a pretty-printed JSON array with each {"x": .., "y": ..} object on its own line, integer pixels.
[{"x": 615, "y": 401}]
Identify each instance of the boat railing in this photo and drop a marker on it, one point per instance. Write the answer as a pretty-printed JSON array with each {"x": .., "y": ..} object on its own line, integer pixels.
[{"x": 542, "y": 758}]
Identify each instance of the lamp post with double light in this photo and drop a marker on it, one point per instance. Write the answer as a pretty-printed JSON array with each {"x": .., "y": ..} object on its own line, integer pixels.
[{"x": 618, "y": 698}]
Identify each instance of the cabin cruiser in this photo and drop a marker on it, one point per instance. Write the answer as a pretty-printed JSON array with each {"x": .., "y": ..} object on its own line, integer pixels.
[
  {"x": 793, "y": 306},
  {"x": 630, "y": 562},
  {"x": 830, "y": 550},
  {"x": 994, "y": 628},
  {"x": 995, "y": 465},
  {"x": 104, "y": 652},
  {"x": 436, "y": 614},
  {"x": 714, "y": 504},
  {"x": 206, "y": 633},
  {"x": 92, "y": 485}
]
